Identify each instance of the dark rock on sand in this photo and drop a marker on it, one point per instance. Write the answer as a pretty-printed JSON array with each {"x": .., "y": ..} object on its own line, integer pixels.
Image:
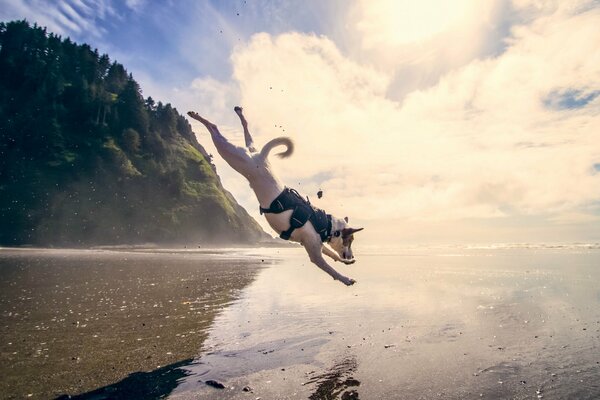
[
  {"x": 215, "y": 384},
  {"x": 352, "y": 382},
  {"x": 351, "y": 395}
]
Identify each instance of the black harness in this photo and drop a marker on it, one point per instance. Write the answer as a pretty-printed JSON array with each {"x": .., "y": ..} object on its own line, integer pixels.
[{"x": 302, "y": 212}]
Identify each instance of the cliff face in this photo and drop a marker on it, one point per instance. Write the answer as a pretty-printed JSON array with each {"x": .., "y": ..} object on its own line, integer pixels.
[{"x": 85, "y": 159}]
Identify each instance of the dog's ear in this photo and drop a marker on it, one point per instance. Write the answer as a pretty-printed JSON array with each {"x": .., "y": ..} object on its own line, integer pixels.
[
  {"x": 346, "y": 219},
  {"x": 346, "y": 232}
]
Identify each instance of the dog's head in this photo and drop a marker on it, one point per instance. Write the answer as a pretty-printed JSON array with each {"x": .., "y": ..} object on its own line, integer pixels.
[{"x": 342, "y": 236}]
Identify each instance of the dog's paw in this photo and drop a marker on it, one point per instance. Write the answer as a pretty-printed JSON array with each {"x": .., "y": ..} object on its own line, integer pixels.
[
  {"x": 347, "y": 281},
  {"x": 195, "y": 115},
  {"x": 237, "y": 109},
  {"x": 349, "y": 262}
]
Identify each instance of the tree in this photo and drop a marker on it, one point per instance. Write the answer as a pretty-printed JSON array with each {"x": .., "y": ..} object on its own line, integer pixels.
[
  {"x": 131, "y": 108},
  {"x": 131, "y": 140}
]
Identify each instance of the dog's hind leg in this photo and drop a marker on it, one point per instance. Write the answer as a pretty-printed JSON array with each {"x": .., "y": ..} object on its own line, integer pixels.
[
  {"x": 247, "y": 136},
  {"x": 237, "y": 157}
]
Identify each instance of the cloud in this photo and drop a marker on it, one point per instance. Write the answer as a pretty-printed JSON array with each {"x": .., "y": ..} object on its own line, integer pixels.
[
  {"x": 419, "y": 42},
  {"x": 385, "y": 24},
  {"x": 480, "y": 143},
  {"x": 64, "y": 17},
  {"x": 135, "y": 5},
  {"x": 215, "y": 96}
]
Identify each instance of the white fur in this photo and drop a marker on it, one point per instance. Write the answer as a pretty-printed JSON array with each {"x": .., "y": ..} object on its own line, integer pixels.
[{"x": 256, "y": 168}]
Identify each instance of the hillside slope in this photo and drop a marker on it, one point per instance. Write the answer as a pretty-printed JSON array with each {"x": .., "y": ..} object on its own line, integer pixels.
[{"x": 86, "y": 160}]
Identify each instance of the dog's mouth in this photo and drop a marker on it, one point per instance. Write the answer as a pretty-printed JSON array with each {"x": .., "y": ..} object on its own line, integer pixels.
[{"x": 348, "y": 261}]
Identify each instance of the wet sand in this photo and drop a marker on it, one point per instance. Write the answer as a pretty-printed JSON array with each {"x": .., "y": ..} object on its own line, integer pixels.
[
  {"x": 72, "y": 321},
  {"x": 419, "y": 324},
  {"x": 451, "y": 324}
]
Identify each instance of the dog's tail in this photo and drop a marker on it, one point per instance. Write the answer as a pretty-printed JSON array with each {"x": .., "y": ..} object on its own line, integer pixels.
[{"x": 278, "y": 142}]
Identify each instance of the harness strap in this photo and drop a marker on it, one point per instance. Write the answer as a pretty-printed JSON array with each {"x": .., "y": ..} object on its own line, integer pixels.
[
  {"x": 286, "y": 200},
  {"x": 303, "y": 211},
  {"x": 300, "y": 216},
  {"x": 276, "y": 207},
  {"x": 326, "y": 235}
]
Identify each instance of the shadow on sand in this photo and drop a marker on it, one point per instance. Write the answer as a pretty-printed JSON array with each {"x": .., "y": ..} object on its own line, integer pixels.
[{"x": 139, "y": 385}]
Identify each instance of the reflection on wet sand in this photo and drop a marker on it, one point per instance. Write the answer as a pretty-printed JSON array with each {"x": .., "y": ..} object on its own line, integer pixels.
[
  {"x": 281, "y": 353},
  {"x": 483, "y": 323},
  {"x": 72, "y": 321}
]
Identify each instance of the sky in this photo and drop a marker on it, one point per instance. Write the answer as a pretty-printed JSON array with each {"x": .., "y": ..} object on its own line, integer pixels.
[{"x": 424, "y": 122}]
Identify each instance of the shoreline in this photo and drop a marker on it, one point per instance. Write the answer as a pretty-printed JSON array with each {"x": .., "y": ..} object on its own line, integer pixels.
[
  {"x": 158, "y": 247},
  {"x": 155, "y": 250}
]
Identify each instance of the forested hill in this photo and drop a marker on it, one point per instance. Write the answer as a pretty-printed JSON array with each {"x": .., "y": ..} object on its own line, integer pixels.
[{"x": 86, "y": 160}]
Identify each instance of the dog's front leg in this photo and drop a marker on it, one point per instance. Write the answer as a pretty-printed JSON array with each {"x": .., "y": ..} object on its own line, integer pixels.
[
  {"x": 328, "y": 252},
  {"x": 314, "y": 248}
]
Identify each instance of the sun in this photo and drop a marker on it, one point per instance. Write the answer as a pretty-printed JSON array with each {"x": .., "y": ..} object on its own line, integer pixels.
[{"x": 400, "y": 22}]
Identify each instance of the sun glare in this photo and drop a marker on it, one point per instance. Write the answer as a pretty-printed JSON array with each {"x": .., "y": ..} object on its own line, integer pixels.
[{"x": 398, "y": 22}]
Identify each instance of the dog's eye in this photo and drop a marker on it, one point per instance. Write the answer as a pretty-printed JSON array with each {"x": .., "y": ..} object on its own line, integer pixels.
[{"x": 336, "y": 233}]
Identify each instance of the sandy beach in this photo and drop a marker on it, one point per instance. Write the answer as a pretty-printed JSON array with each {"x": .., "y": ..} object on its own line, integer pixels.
[
  {"x": 76, "y": 320},
  {"x": 449, "y": 323}
]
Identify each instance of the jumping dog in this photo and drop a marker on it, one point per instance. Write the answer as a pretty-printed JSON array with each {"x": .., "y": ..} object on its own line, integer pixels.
[{"x": 294, "y": 218}]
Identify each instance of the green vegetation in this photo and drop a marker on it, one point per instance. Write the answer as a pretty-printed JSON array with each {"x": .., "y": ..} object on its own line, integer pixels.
[{"x": 85, "y": 159}]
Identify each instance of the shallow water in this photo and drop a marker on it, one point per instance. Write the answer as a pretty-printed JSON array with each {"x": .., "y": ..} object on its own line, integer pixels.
[{"x": 451, "y": 323}]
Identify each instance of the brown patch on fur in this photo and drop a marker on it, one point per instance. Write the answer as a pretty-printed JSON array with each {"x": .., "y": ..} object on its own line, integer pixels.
[{"x": 348, "y": 235}]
